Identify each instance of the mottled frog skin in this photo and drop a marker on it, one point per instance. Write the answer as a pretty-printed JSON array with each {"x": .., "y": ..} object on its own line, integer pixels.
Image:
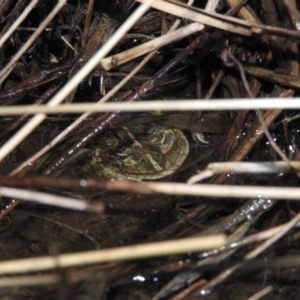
[{"x": 156, "y": 152}]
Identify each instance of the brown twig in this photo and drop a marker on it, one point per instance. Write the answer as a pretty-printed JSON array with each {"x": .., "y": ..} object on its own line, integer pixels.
[
  {"x": 229, "y": 60},
  {"x": 87, "y": 23}
]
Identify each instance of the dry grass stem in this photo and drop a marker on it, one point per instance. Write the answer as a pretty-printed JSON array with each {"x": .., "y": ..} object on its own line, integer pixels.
[
  {"x": 29, "y": 281},
  {"x": 168, "y": 188},
  {"x": 156, "y": 213},
  {"x": 284, "y": 230},
  {"x": 208, "y": 190},
  {"x": 268, "y": 289},
  {"x": 115, "y": 89},
  {"x": 244, "y": 168},
  {"x": 123, "y": 57},
  {"x": 76, "y": 79},
  {"x": 223, "y": 22},
  {"x": 254, "y": 253},
  {"x": 253, "y": 167},
  {"x": 34, "y": 36},
  {"x": 52, "y": 200},
  {"x": 111, "y": 255},
  {"x": 141, "y": 106},
  {"x": 20, "y": 19}
]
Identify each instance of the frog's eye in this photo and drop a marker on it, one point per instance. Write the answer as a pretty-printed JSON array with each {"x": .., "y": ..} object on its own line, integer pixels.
[{"x": 168, "y": 138}]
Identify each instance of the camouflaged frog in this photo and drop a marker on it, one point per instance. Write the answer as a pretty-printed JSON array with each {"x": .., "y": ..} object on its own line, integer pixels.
[{"x": 154, "y": 153}]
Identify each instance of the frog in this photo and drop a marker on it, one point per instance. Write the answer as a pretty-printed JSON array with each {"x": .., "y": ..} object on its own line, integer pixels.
[{"x": 155, "y": 152}]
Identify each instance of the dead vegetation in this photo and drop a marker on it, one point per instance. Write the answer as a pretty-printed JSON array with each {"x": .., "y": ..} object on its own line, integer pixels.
[{"x": 221, "y": 225}]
